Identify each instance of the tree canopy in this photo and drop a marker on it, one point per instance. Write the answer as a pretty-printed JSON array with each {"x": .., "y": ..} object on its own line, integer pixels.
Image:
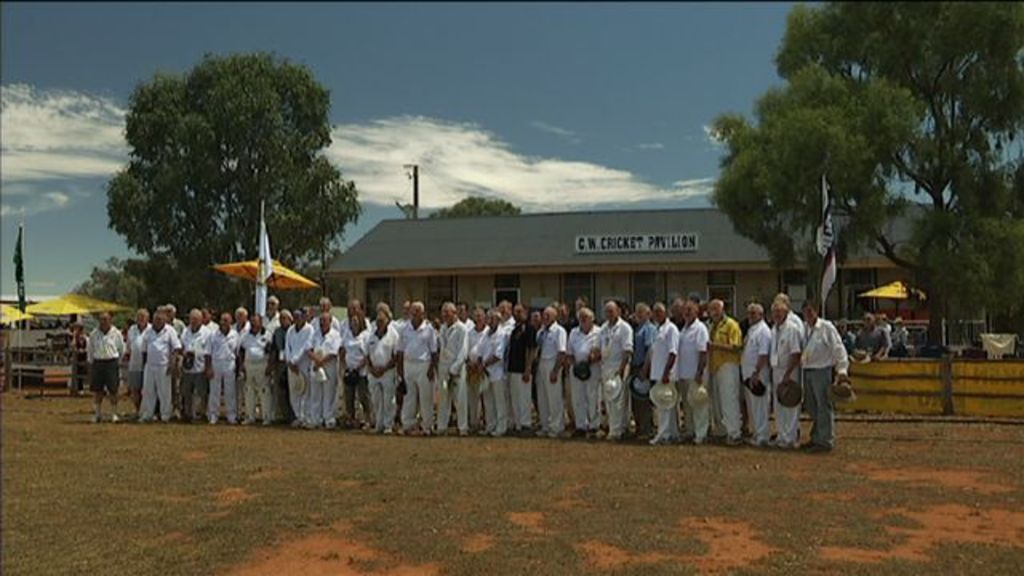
[
  {"x": 207, "y": 147},
  {"x": 478, "y": 206},
  {"x": 911, "y": 109}
]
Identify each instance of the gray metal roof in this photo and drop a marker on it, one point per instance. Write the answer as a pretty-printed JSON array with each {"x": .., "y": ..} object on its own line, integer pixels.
[{"x": 540, "y": 240}]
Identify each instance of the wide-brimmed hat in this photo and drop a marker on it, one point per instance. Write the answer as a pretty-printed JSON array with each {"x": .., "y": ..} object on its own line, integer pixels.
[
  {"x": 697, "y": 396},
  {"x": 860, "y": 357},
  {"x": 757, "y": 388},
  {"x": 581, "y": 370},
  {"x": 841, "y": 390},
  {"x": 789, "y": 393},
  {"x": 613, "y": 388},
  {"x": 640, "y": 387},
  {"x": 664, "y": 396}
]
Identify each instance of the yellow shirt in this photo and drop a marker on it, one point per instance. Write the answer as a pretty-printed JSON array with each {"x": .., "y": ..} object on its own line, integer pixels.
[{"x": 727, "y": 333}]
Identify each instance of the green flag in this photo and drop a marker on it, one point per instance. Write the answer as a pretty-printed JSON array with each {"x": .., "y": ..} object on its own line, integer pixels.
[{"x": 19, "y": 270}]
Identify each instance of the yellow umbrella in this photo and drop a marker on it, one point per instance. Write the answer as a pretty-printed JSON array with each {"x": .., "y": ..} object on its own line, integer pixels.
[
  {"x": 69, "y": 304},
  {"x": 10, "y": 314},
  {"x": 893, "y": 291},
  {"x": 282, "y": 277}
]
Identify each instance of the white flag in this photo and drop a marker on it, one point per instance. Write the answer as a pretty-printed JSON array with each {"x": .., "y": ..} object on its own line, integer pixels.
[
  {"x": 826, "y": 246},
  {"x": 266, "y": 267}
]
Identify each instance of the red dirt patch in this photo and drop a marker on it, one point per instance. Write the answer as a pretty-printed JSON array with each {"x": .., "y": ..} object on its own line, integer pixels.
[
  {"x": 939, "y": 525},
  {"x": 478, "y": 543},
  {"x": 972, "y": 480},
  {"x": 332, "y": 553},
  {"x": 233, "y": 496},
  {"x": 529, "y": 521},
  {"x": 195, "y": 456},
  {"x": 731, "y": 545}
]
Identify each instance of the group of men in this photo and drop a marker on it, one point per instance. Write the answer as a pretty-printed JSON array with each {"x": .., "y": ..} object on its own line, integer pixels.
[{"x": 502, "y": 371}]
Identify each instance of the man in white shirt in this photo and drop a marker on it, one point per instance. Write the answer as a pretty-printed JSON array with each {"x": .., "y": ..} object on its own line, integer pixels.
[
  {"x": 135, "y": 353},
  {"x": 353, "y": 357},
  {"x": 327, "y": 307},
  {"x": 823, "y": 352},
  {"x": 463, "y": 313},
  {"x": 785, "y": 361},
  {"x": 755, "y": 367},
  {"x": 298, "y": 344},
  {"x": 552, "y": 344},
  {"x": 691, "y": 361},
  {"x": 583, "y": 348},
  {"x": 222, "y": 369},
  {"x": 495, "y": 391},
  {"x": 179, "y": 327},
  {"x": 322, "y": 400},
  {"x": 475, "y": 374},
  {"x": 195, "y": 386},
  {"x": 452, "y": 371},
  {"x": 417, "y": 366},
  {"x": 273, "y": 318},
  {"x": 253, "y": 347},
  {"x": 380, "y": 352},
  {"x": 160, "y": 345},
  {"x": 661, "y": 369},
  {"x": 616, "y": 353},
  {"x": 242, "y": 326},
  {"x": 106, "y": 346}
]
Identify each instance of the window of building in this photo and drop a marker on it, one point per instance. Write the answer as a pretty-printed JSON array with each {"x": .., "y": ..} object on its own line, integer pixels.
[
  {"x": 379, "y": 290},
  {"x": 439, "y": 290},
  {"x": 506, "y": 281},
  {"x": 721, "y": 278},
  {"x": 722, "y": 286},
  {"x": 510, "y": 294},
  {"x": 576, "y": 285},
  {"x": 648, "y": 287}
]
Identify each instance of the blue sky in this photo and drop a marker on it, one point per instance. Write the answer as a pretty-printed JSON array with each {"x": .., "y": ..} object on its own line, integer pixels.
[{"x": 551, "y": 106}]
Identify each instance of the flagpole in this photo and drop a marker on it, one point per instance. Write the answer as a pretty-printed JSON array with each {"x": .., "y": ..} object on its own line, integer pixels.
[{"x": 23, "y": 323}]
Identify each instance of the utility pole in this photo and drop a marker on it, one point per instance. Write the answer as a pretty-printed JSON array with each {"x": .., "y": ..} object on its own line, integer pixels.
[{"x": 415, "y": 175}]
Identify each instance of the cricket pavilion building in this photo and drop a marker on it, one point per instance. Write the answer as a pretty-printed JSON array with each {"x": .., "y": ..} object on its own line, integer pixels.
[{"x": 631, "y": 255}]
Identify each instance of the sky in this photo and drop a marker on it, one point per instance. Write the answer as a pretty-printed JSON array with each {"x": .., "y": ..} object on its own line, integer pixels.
[{"x": 552, "y": 107}]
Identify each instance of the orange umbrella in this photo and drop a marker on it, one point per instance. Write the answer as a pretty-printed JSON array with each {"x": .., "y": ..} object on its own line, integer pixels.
[{"x": 282, "y": 278}]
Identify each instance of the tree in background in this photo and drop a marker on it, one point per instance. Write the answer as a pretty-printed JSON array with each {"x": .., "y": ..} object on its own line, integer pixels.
[
  {"x": 206, "y": 148},
  {"x": 477, "y": 206},
  {"x": 910, "y": 108}
]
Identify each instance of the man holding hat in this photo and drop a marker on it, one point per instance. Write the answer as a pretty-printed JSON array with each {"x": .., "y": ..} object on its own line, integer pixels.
[
  {"x": 823, "y": 352},
  {"x": 785, "y": 361},
  {"x": 726, "y": 343},
  {"x": 616, "y": 339},
  {"x": 756, "y": 372},
  {"x": 660, "y": 368},
  {"x": 643, "y": 339},
  {"x": 692, "y": 358},
  {"x": 298, "y": 343},
  {"x": 552, "y": 344}
]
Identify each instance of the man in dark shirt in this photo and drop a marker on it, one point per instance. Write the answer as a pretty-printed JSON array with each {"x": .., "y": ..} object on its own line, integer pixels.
[
  {"x": 278, "y": 379},
  {"x": 522, "y": 347}
]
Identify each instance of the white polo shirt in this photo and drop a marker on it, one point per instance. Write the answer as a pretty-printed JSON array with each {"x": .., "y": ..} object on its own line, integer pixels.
[
  {"x": 758, "y": 343},
  {"x": 198, "y": 343},
  {"x": 106, "y": 346},
  {"x": 297, "y": 343},
  {"x": 474, "y": 340},
  {"x": 417, "y": 344},
  {"x": 494, "y": 344},
  {"x": 666, "y": 343},
  {"x": 355, "y": 348},
  {"x": 616, "y": 340},
  {"x": 159, "y": 345},
  {"x": 785, "y": 343},
  {"x": 581, "y": 344},
  {"x": 823, "y": 348},
  {"x": 135, "y": 347},
  {"x": 255, "y": 345},
  {"x": 224, "y": 350},
  {"x": 454, "y": 347},
  {"x": 552, "y": 341},
  {"x": 693, "y": 340},
  {"x": 381, "y": 348}
]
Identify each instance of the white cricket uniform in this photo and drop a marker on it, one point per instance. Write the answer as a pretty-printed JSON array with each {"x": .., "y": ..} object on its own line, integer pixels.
[
  {"x": 135, "y": 347},
  {"x": 693, "y": 340},
  {"x": 159, "y": 348},
  {"x": 224, "y": 356},
  {"x": 454, "y": 350},
  {"x": 586, "y": 394},
  {"x": 474, "y": 388},
  {"x": 355, "y": 353},
  {"x": 786, "y": 341},
  {"x": 757, "y": 343},
  {"x": 297, "y": 343},
  {"x": 664, "y": 352},
  {"x": 417, "y": 345},
  {"x": 616, "y": 342},
  {"x": 552, "y": 344},
  {"x": 322, "y": 401},
  {"x": 495, "y": 393},
  {"x": 257, "y": 386},
  {"x": 196, "y": 344},
  {"x": 381, "y": 351}
]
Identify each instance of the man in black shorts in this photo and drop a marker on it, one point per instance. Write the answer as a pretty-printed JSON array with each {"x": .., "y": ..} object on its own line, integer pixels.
[{"x": 106, "y": 346}]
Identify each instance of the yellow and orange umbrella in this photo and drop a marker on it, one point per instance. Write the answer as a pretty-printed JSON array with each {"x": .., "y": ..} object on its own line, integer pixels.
[
  {"x": 10, "y": 315},
  {"x": 893, "y": 291},
  {"x": 282, "y": 278},
  {"x": 69, "y": 304}
]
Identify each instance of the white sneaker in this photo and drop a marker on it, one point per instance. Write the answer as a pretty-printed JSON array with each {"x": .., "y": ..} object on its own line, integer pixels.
[
  {"x": 212, "y": 421},
  {"x": 115, "y": 418},
  {"x": 388, "y": 431}
]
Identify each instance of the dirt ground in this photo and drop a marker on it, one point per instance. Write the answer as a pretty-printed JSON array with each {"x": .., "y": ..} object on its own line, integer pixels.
[{"x": 904, "y": 498}]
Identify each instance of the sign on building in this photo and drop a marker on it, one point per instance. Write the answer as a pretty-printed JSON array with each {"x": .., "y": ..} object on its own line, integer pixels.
[{"x": 635, "y": 243}]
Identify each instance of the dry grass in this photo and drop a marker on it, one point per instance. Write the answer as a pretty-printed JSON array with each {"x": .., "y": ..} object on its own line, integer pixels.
[{"x": 174, "y": 499}]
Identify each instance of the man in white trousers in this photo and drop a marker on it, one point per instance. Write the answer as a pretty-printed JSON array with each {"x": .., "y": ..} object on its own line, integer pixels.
[
  {"x": 381, "y": 344},
  {"x": 756, "y": 369},
  {"x": 452, "y": 371},
  {"x": 552, "y": 343},
  {"x": 616, "y": 349},
  {"x": 583, "y": 348},
  {"x": 417, "y": 365},
  {"x": 724, "y": 367},
  {"x": 222, "y": 368},
  {"x": 661, "y": 368},
  {"x": 785, "y": 361},
  {"x": 298, "y": 344},
  {"x": 160, "y": 346},
  {"x": 495, "y": 394},
  {"x": 322, "y": 400},
  {"x": 253, "y": 349},
  {"x": 522, "y": 350},
  {"x": 475, "y": 373},
  {"x": 690, "y": 363},
  {"x": 195, "y": 385}
]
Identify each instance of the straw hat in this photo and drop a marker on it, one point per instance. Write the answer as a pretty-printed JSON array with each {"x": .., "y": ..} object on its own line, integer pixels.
[
  {"x": 860, "y": 357},
  {"x": 613, "y": 388},
  {"x": 698, "y": 396},
  {"x": 789, "y": 393},
  {"x": 841, "y": 390},
  {"x": 664, "y": 396}
]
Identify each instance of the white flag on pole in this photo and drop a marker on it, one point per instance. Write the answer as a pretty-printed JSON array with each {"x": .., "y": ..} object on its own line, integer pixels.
[
  {"x": 266, "y": 267},
  {"x": 826, "y": 245}
]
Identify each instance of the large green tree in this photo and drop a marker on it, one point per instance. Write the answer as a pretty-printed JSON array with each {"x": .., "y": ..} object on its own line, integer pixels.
[
  {"x": 912, "y": 109},
  {"x": 206, "y": 148},
  {"x": 477, "y": 206}
]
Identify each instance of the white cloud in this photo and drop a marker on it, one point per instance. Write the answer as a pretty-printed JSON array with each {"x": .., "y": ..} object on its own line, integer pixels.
[
  {"x": 649, "y": 146},
  {"x": 459, "y": 159},
  {"x": 564, "y": 133}
]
